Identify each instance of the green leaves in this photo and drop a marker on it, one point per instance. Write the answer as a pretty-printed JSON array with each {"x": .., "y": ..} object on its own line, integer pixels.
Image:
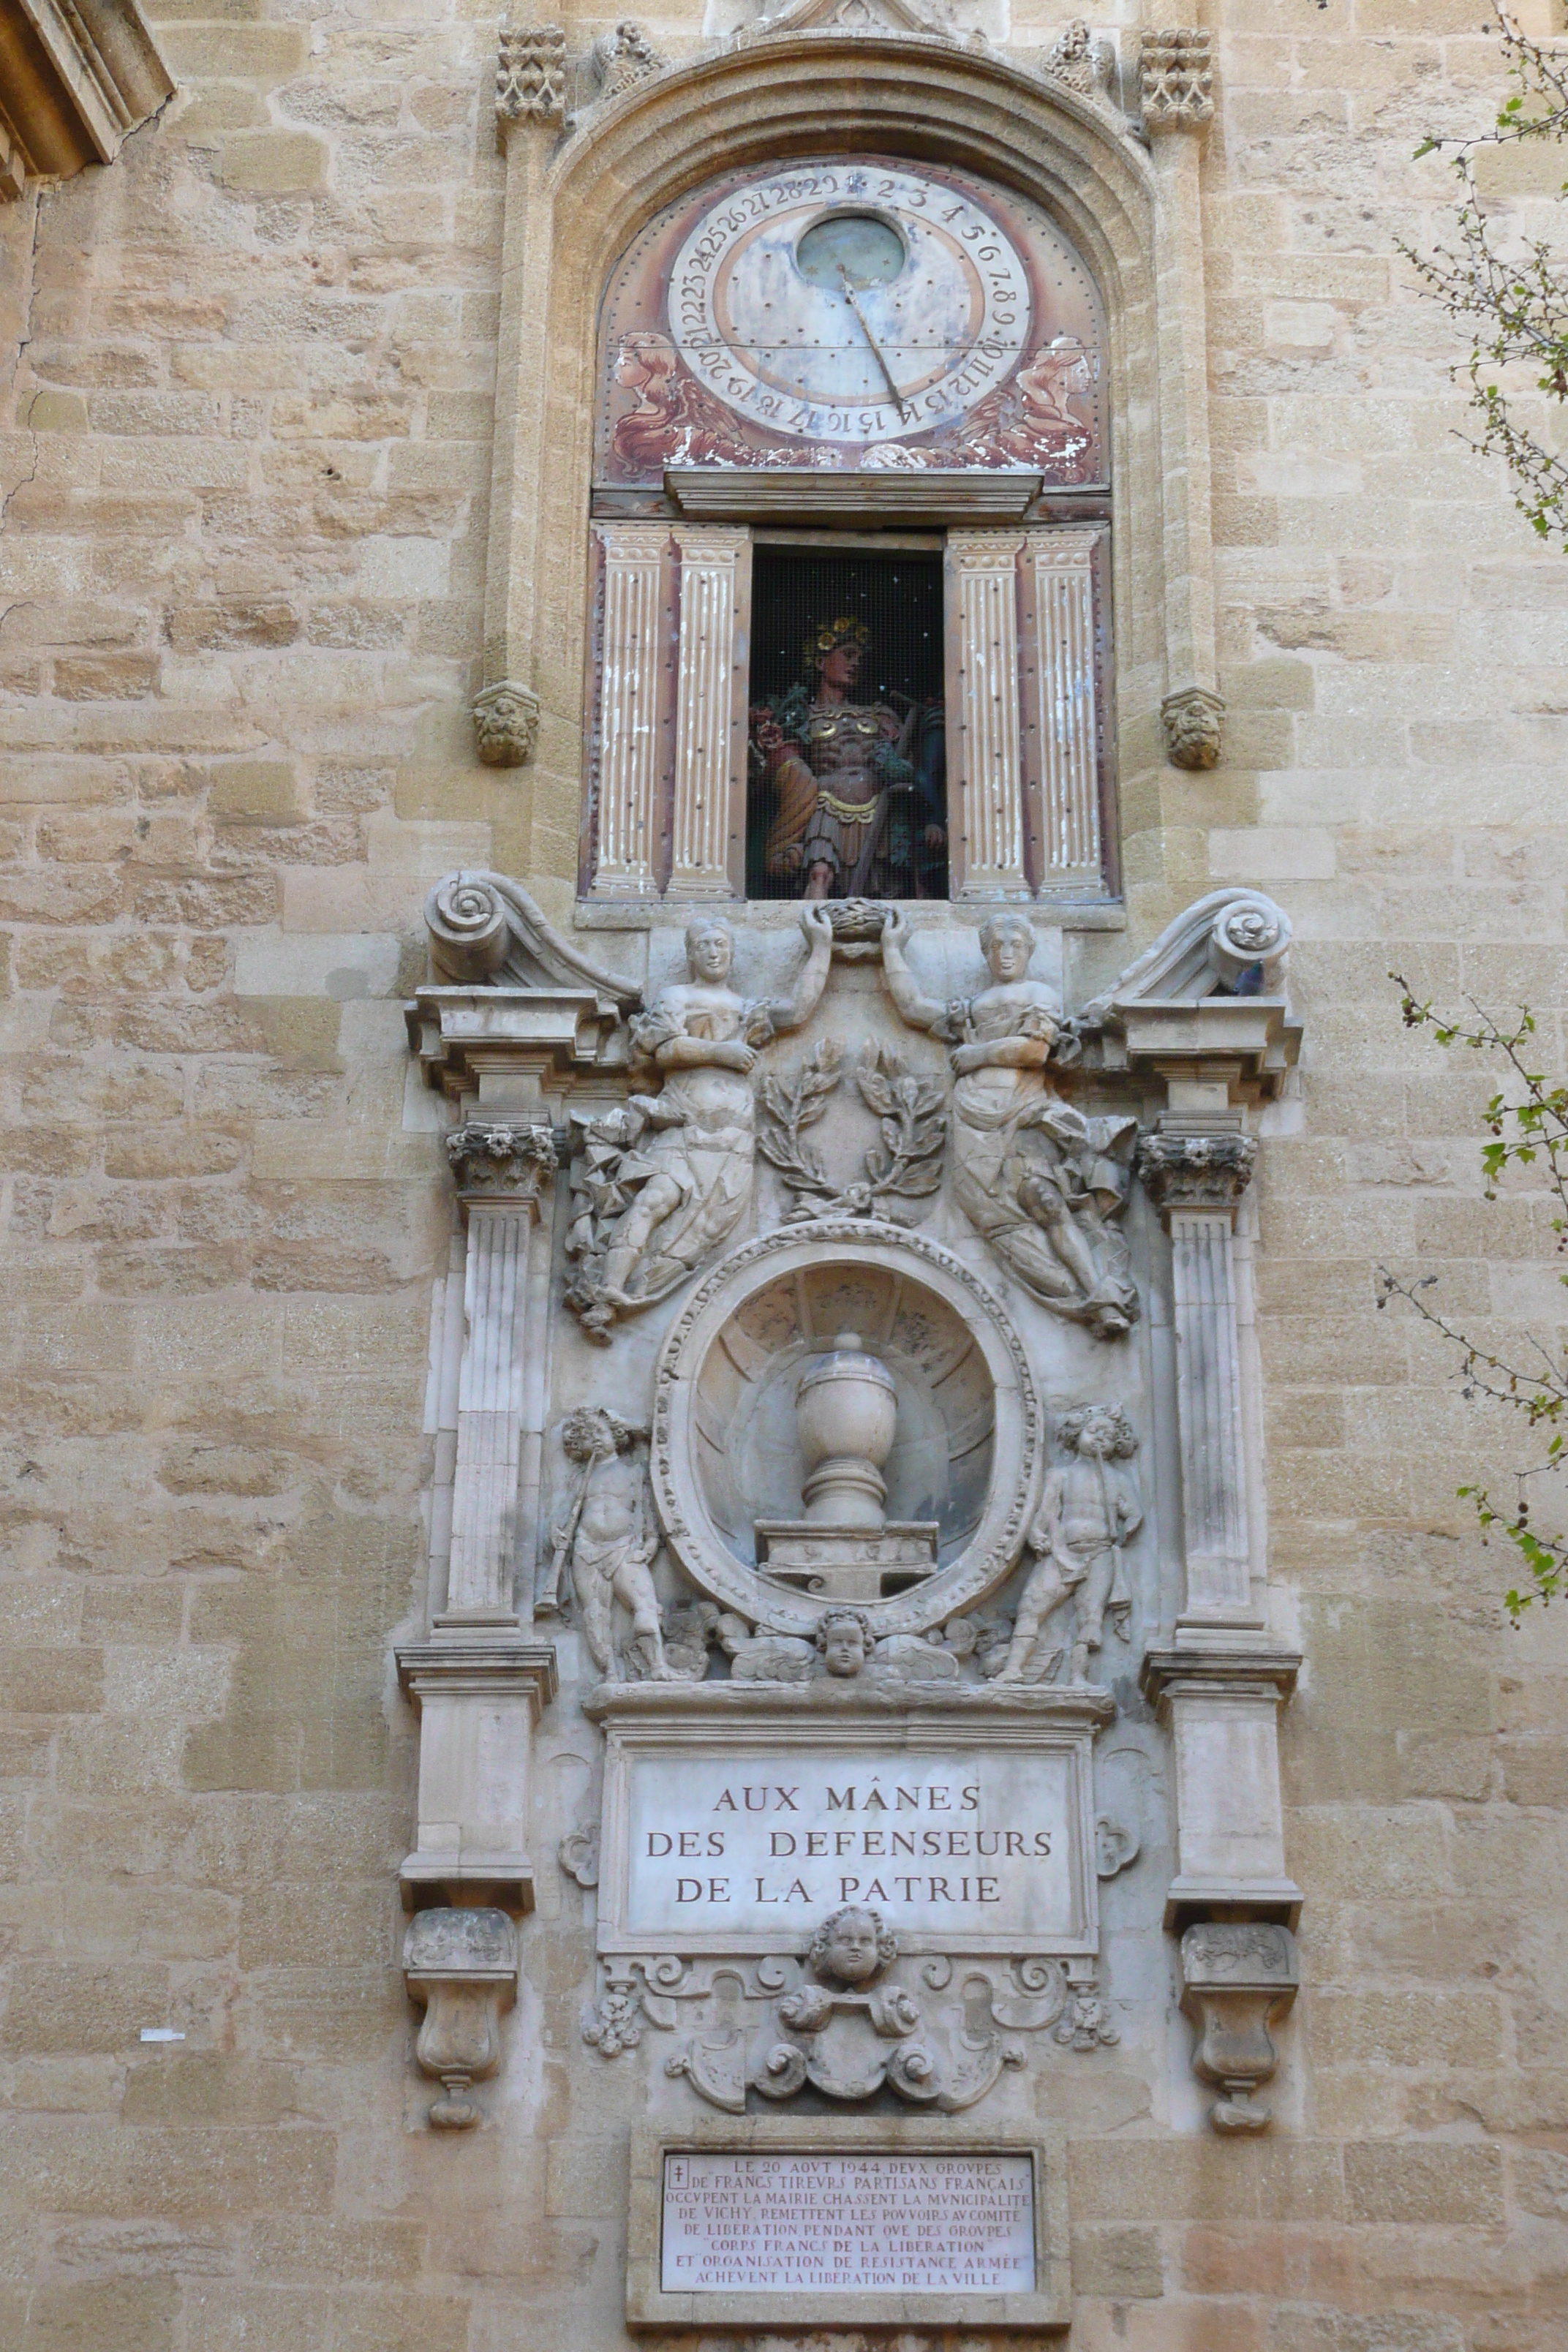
[
  {"x": 1517, "y": 309},
  {"x": 1526, "y": 1120}
]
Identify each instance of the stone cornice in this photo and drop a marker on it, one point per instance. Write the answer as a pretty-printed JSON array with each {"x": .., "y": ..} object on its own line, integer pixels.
[
  {"x": 472, "y": 1663},
  {"x": 1232, "y": 1666},
  {"x": 75, "y": 78}
]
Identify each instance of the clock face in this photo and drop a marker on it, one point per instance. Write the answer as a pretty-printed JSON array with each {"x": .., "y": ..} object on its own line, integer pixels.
[
  {"x": 852, "y": 311},
  {"x": 851, "y": 303}
]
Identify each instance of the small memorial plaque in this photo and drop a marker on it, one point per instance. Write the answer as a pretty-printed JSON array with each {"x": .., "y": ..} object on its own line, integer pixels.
[{"x": 852, "y": 2224}]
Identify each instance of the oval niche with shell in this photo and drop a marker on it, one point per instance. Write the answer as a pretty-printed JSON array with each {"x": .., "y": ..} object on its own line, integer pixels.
[{"x": 725, "y": 1453}]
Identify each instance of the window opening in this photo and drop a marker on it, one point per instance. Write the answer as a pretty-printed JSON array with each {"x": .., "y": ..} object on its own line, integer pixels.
[{"x": 847, "y": 767}]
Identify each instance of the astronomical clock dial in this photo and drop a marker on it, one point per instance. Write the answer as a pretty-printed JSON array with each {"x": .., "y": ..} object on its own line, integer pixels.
[{"x": 851, "y": 303}]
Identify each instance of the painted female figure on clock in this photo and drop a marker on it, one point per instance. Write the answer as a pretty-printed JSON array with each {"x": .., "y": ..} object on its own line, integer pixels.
[{"x": 857, "y": 787}]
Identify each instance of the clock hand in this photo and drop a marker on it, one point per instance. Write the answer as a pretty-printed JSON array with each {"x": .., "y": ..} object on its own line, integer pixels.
[{"x": 871, "y": 338}]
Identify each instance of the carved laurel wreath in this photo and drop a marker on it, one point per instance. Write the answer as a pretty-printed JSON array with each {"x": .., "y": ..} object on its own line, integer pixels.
[{"x": 904, "y": 1168}]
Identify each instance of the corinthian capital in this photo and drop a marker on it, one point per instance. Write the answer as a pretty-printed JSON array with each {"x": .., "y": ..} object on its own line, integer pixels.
[
  {"x": 1195, "y": 1172},
  {"x": 494, "y": 1160}
]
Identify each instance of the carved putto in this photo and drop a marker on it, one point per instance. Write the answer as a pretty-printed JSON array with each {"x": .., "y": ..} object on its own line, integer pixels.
[
  {"x": 608, "y": 1538},
  {"x": 1090, "y": 1510},
  {"x": 660, "y": 1185},
  {"x": 1040, "y": 1181}
]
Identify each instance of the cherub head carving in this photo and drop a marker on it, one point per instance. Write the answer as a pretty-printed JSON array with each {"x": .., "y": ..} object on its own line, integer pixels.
[
  {"x": 852, "y": 1946},
  {"x": 1101, "y": 1431},
  {"x": 844, "y": 1638},
  {"x": 592, "y": 1432}
]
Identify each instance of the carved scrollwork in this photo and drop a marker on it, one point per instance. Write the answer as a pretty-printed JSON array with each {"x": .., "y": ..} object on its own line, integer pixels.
[
  {"x": 579, "y": 1854},
  {"x": 843, "y": 2025}
]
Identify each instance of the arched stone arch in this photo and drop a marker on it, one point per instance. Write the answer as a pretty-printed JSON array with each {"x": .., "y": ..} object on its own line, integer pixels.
[{"x": 574, "y": 206}]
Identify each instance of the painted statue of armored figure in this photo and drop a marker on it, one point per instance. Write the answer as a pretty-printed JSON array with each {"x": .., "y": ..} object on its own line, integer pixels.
[
  {"x": 1036, "y": 1177},
  {"x": 660, "y": 1186},
  {"x": 1090, "y": 1510}
]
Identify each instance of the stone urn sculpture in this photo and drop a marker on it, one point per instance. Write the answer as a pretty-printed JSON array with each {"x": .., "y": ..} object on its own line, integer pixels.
[{"x": 845, "y": 1414}]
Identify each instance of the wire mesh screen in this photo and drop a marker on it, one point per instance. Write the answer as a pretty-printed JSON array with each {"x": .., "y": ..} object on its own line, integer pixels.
[{"x": 847, "y": 792}]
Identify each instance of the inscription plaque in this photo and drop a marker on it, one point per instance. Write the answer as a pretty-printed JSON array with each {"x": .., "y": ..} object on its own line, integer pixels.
[
  {"x": 851, "y": 2224},
  {"x": 735, "y": 1822}
]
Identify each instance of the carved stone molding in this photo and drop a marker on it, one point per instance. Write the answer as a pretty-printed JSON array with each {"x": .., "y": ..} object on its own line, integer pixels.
[
  {"x": 1194, "y": 722},
  {"x": 511, "y": 1166},
  {"x": 1218, "y": 1693},
  {"x": 1204, "y": 1006},
  {"x": 579, "y": 1854},
  {"x": 460, "y": 1969},
  {"x": 1176, "y": 83},
  {"x": 1195, "y": 1172},
  {"x": 530, "y": 75},
  {"x": 77, "y": 77},
  {"x": 777, "y": 2026},
  {"x": 506, "y": 723},
  {"x": 1237, "y": 1979},
  {"x": 1079, "y": 61},
  {"x": 512, "y": 999},
  {"x": 622, "y": 59},
  {"x": 917, "y": 1264},
  {"x": 479, "y": 1694}
]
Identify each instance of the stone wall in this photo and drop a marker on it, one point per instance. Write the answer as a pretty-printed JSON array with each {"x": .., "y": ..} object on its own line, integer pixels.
[{"x": 244, "y": 466}]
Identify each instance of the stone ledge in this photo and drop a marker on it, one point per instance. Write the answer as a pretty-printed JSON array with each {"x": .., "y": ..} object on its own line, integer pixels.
[{"x": 1226, "y": 1665}]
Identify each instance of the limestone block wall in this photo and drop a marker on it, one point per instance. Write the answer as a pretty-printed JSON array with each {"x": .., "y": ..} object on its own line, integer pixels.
[{"x": 244, "y": 463}]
